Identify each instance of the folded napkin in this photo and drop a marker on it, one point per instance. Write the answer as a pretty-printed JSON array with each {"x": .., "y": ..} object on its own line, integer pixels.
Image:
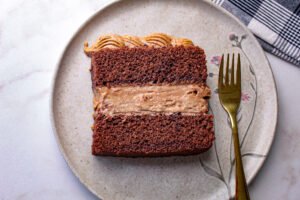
[{"x": 276, "y": 24}]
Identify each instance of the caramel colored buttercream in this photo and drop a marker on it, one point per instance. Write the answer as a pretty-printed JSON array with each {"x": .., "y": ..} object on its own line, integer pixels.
[
  {"x": 118, "y": 41},
  {"x": 187, "y": 99}
]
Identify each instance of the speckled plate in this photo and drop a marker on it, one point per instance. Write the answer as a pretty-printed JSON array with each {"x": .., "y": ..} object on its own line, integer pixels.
[{"x": 207, "y": 176}]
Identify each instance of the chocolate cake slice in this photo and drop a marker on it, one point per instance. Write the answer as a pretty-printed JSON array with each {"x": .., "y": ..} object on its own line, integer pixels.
[{"x": 150, "y": 96}]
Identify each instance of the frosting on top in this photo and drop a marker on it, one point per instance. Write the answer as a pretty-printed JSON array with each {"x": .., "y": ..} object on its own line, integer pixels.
[{"x": 117, "y": 41}]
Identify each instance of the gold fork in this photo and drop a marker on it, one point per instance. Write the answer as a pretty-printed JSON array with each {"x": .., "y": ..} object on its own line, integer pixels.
[{"x": 230, "y": 98}]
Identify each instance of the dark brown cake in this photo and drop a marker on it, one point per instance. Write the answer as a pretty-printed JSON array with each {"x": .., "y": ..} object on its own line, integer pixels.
[
  {"x": 150, "y": 96},
  {"x": 144, "y": 65},
  {"x": 152, "y": 135}
]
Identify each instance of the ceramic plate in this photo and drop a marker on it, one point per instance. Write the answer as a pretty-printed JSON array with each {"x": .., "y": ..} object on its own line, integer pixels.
[{"x": 207, "y": 176}]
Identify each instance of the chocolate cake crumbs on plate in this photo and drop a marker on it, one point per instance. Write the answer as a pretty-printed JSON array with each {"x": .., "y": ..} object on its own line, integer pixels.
[{"x": 150, "y": 96}]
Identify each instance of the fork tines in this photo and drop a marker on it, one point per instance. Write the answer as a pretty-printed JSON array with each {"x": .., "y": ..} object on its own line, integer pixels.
[{"x": 230, "y": 72}]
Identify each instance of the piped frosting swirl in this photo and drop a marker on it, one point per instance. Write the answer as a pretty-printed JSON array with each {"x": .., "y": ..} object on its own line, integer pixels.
[{"x": 117, "y": 41}]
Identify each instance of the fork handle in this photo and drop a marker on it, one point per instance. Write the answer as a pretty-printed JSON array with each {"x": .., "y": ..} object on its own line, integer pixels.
[{"x": 241, "y": 189}]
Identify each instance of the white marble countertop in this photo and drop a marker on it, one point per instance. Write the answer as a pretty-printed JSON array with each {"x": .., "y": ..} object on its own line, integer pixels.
[{"x": 32, "y": 36}]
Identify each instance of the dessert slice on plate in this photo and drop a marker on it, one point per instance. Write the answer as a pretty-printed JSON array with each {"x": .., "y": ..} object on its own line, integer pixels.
[{"x": 150, "y": 96}]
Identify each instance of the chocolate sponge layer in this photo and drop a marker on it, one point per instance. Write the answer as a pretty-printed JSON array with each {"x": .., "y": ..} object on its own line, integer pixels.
[
  {"x": 148, "y": 135},
  {"x": 148, "y": 65}
]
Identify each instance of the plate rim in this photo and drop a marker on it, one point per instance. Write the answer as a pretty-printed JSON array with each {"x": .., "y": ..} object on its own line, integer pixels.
[{"x": 86, "y": 22}]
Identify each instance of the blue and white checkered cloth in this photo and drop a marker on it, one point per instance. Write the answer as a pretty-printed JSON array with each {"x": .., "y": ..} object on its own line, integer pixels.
[{"x": 276, "y": 24}]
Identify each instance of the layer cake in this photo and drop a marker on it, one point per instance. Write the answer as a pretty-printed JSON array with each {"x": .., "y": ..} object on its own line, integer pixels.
[{"x": 150, "y": 96}]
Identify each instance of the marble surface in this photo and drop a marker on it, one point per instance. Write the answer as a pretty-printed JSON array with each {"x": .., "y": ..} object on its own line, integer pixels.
[{"x": 32, "y": 36}]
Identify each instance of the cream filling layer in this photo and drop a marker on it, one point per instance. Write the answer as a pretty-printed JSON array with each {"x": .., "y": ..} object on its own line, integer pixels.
[{"x": 187, "y": 99}]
